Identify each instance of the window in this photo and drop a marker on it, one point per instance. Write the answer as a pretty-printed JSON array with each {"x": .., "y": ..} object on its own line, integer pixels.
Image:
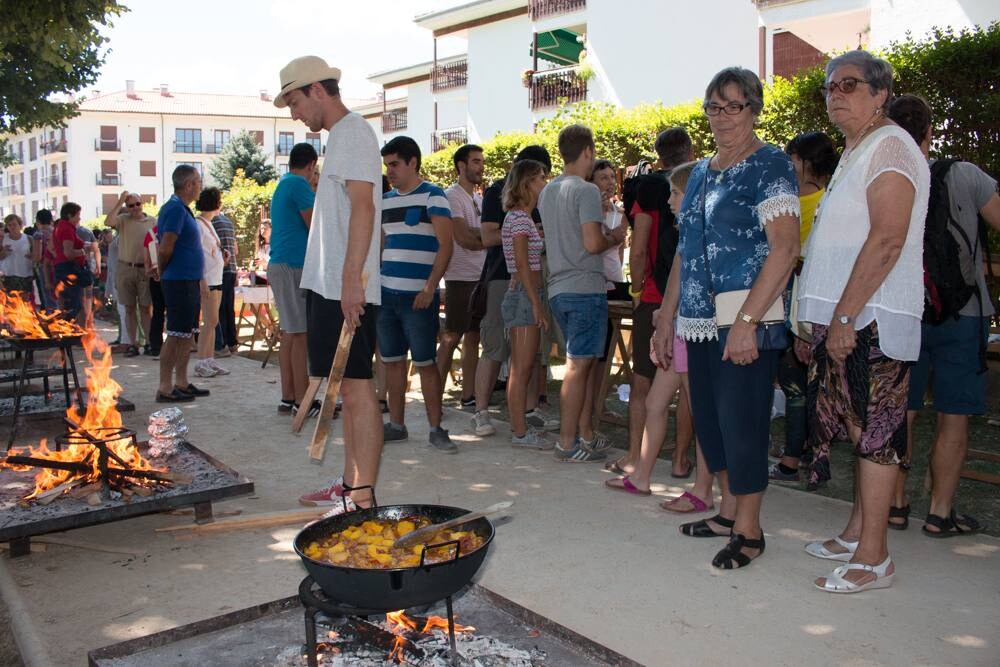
[
  {"x": 196, "y": 165},
  {"x": 34, "y": 209},
  {"x": 258, "y": 136},
  {"x": 147, "y": 135},
  {"x": 282, "y": 168},
  {"x": 34, "y": 180},
  {"x": 314, "y": 139},
  {"x": 148, "y": 199},
  {"x": 32, "y": 148},
  {"x": 108, "y": 202},
  {"x": 109, "y": 138},
  {"x": 187, "y": 141},
  {"x": 109, "y": 173},
  {"x": 220, "y": 138},
  {"x": 147, "y": 167},
  {"x": 285, "y": 142}
]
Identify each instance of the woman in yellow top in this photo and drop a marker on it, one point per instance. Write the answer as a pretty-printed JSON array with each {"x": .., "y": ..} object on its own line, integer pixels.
[{"x": 815, "y": 159}]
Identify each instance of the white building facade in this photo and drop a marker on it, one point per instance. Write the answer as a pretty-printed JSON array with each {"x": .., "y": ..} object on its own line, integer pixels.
[
  {"x": 133, "y": 140},
  {"x": 523, "y": 57}
]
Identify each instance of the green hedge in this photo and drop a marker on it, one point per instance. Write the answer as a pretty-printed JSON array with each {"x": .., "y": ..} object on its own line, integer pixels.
[{"x": 957, "y": 72}]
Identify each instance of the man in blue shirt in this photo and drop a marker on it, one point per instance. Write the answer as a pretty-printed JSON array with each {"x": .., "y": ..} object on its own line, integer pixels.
[
  {"x": 291, "y": 214},
  {"x": 416, "y": 249},
  {"x": 181, "y": 263}
]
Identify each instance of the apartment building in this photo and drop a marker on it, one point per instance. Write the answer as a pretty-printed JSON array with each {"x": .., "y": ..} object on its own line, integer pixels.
[
  {"x": 133, "y": 139},
  {"x": 525, "y": 57}
]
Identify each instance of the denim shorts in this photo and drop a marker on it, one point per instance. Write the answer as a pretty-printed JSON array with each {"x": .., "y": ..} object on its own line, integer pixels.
[
  {"x": 401, "y": 328},
  {"x": 952, "y": 349},
  {"x": 583, "y": 319},
  {"x": 516, "y": 307}
]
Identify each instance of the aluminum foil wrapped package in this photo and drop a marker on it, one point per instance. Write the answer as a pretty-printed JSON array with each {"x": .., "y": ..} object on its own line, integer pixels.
[{"x": 167, "y": 431}]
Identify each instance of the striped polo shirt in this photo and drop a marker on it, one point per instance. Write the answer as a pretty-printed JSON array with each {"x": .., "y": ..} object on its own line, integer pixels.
[{"x": 410, "y": 242}]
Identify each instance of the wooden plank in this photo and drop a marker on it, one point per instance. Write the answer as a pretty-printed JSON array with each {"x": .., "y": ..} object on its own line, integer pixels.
[
  {"x": 90, "y": 546},
  {"x": 317, "y": 447},
  {"x": 300, "y": 417},
  {"x": 248, "y": 522}
]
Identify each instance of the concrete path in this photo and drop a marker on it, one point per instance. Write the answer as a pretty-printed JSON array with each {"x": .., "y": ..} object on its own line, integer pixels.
[{"x": 604, "y": 563}]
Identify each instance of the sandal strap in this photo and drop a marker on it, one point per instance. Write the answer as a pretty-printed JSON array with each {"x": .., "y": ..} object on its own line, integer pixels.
[
  {"x": 850, "y": 546},
  {"x": 722, "y": 521},
  {"x": 697, "y": 503},
  {"x": 942, "y": 523}
]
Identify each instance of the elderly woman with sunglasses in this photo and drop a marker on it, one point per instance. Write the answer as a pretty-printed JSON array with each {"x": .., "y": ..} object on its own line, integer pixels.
[
  {"x": 862, "y": 290},
  {"x": 739, "y": 240}
]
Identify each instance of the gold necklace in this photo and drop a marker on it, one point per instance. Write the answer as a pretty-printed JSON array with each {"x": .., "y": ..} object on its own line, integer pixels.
[{"x": 842, "y": 166}]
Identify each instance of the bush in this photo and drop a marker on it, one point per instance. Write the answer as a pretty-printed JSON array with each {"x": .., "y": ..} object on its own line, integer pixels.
[{"x": 243, "y": 203}]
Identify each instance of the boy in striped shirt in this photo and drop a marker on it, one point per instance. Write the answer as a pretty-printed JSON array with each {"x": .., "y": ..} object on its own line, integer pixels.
[{"x": 416, "y": 249}]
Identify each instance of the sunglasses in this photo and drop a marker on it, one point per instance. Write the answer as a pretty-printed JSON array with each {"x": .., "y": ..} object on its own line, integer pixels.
[
  {"x": 138, "y": 204},
  {"x": 731, "y": 109},
  {"x": 847, "y": 85}
]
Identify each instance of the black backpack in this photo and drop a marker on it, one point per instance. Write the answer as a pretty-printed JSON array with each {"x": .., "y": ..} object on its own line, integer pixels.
[
  {"x": 652, "y": 190},
  {"x": 945, "y": 290}
]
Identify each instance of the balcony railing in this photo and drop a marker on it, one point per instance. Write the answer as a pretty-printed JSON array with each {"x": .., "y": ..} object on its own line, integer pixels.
[
  {"x": 543, "y": 8},
  {"x": 190, "y": 147},
  {"x": 451, "y": 75},
  {"x": 54, "y": 146},
  {"x": 551, "y": 88},
  {"x": 107, "y": 145},
  {"x": 109, "y": 179},
  {"x": 284, "y": 149},
  {"x": 394, "y": 121},
  {"x": 54, "y": 181},
  {"x": 211, "y": 149},
  {"x": 443, "y": 138},
  {"x": 16, "y": 159},
  {"x": 11, "y": 191}
]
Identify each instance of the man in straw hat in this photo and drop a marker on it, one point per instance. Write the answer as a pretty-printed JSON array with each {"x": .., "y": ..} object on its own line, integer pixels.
[{"x": 342, "y": 247}]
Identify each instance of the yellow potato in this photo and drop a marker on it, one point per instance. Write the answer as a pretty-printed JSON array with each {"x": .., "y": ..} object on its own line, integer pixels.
[
  {"x": 405, "y": 528},
  {"x": 338, "y": 547},
  {"x": 339, "y": 557}
]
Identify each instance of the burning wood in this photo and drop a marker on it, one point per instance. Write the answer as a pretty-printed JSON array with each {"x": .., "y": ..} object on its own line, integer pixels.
[
  {"x": 97, "y": 447},
  {"x": 20, "y": 319}
]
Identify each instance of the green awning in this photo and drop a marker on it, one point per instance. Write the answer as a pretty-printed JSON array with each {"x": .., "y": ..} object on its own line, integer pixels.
[{"x": 559, "y": 47}]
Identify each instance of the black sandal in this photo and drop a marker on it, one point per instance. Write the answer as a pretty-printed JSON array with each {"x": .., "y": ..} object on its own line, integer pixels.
[
  {"x": 702, "y": 529},
  {"x": 950, "y": 526},
  {"x": 899, "y": 513},
  {"x": 732, "y": 552}
]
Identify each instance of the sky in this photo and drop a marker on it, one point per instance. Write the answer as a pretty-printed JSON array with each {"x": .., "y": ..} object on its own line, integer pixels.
[{"x": 225, "y": 46}]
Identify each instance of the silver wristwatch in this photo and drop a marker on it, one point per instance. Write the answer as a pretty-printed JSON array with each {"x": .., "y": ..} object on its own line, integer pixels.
[{"x": 845, "y": 319}]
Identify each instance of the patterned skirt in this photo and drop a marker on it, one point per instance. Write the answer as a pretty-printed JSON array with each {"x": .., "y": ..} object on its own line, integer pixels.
[{"x": 867, "y": 392}]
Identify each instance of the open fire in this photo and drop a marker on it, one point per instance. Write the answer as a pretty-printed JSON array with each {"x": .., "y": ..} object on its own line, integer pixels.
[{"x": 97, "y": 449}]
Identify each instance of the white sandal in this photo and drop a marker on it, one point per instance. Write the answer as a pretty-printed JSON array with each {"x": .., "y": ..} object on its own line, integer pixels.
[
  {"x": 819, "y": 550},
  {"x": 835, "y": 582}
]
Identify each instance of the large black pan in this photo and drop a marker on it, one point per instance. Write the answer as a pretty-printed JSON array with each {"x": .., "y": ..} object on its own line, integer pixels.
[{"x": 398, "y": 588}]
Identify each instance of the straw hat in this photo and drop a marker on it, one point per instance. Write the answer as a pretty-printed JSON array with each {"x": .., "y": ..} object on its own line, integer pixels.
[{"x": 302, "y": 72}]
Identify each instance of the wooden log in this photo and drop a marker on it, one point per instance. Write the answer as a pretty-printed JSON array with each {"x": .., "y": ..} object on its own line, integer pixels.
[
  {"x": 46, "y": 497},
  {"x": 248, "y": 522},
  {"x": 86, "y": 490}
]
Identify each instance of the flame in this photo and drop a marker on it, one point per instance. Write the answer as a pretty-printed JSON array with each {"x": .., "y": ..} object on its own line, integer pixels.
[
  {"x": 400, "y": 621},
  {"x": 438, "y": 623},
  {"x": 18, "y": 317},
  {"x": 397, "y": 650},
  {"x": 101, "y": 414}
]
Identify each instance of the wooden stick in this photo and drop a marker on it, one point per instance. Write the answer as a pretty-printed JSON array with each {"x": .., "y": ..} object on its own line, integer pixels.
[
  {"x": 46, "y": 497},
  {"x": 63, "y": 542},
  {"x": 35, "y": 546},
  {"x": 248, "y": 522},
  {"x": 310, "y": 395},
  {"x": 317, "y": 448}
]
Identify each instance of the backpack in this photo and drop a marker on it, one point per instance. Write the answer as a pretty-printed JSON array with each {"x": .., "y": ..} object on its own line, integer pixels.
[
  {"x": 945, "y": 290},
  {"x": 639, "y": 186}
]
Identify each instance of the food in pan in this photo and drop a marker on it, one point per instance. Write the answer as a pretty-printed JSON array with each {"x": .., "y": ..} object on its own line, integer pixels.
[{"x": 369, "y": 545}]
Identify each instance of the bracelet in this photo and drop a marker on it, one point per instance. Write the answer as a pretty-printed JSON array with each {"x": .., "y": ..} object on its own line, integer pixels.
[
  {"x": 747, "y": 318},
  {"x": 635, "y": 293}
]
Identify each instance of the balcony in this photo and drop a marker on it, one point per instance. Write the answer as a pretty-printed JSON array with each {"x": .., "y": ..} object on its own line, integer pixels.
[
  {"x": 191, "y": 147},
  {"x": 442, "y": 138},
  {"x": 394, "y": 121},
  {"x": 16, "y": 160},
  {"x": 54, "y": 181},
  {"x": 109, "y": 179},
  {"x": 12, "y": 191},
  {"x": 107, "y": 145},
  {"x": 450, "y": 75},
  {"x": 54, "y": 147},
  {"x": 210, "y": 149},
  {"x": 553, "y": 87},
  {"x": 283, "y": 149},
  {"x": 542, "y": 8}
]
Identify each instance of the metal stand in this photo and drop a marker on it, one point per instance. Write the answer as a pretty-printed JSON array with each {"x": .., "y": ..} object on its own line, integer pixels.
[{"x": 67, "y": 368}]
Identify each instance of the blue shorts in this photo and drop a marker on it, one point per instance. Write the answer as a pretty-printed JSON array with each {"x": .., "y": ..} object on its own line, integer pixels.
[
  {"x": 583, "y": 319},
  {"x": 516, "y": 307},
  {"x": 401, "y": 328},
  {"x": 183, "y": 301},
  {"x": 952, "y": 349}
]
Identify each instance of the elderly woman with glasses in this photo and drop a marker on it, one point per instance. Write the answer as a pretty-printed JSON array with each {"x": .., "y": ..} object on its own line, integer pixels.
[
  {"x": 862, "y": 290},
  {"x": 739, "y": 240}
]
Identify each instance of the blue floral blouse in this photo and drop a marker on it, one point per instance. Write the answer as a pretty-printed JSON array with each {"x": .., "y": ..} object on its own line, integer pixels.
[{"x": 738, "y": 204}]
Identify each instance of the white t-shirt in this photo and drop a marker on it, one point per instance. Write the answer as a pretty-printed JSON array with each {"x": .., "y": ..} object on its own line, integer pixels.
[
  {"x": 612, "y": 256},
  {"x": 16, "y": 264},
  {"x": 352, "y": 154},
  {"x": 840, "y": 230},
  {"x": 211, "y": 250},
  {"x": 465, "y": 264}
]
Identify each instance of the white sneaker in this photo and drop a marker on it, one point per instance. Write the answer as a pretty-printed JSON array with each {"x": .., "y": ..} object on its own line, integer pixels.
[
  {"x": 538, "y": 419},
  {"x": 221, "y": 370},
  {"x": 203, "y": 370},
  {"x": 482, "y": 424},
  {"x": 343, "y": 505}
]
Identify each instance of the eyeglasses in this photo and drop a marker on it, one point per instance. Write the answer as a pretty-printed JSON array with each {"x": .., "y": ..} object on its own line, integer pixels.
[
  {"x": 731, "y": 109},
  {"x": 138, "y": 204},
  {"x": 847, "y": 85}
]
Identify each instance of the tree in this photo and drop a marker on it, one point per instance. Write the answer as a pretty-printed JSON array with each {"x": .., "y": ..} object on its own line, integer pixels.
[
  {"x": 243, "y": 202},
  {"x": 242, "y": 152},
  {"x": 46, "y": 47}
]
